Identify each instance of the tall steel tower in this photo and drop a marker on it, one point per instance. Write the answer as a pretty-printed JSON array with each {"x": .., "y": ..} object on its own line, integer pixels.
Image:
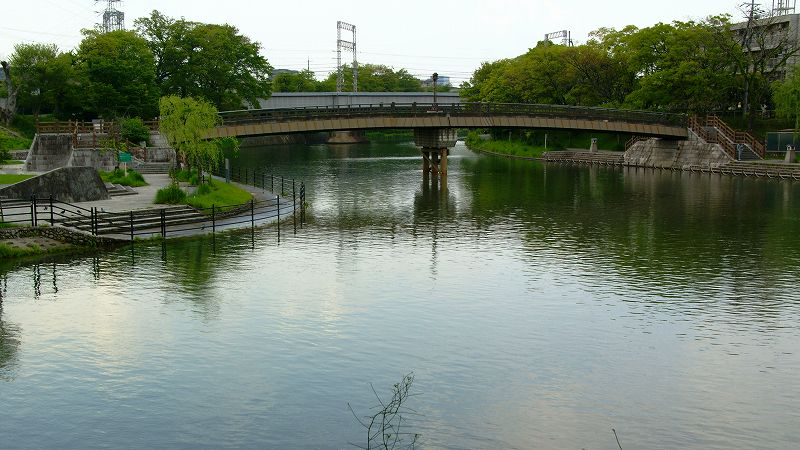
[
  {"x": 113, "y": 19},
  {"x": 346, "y": 46},
  {"x": 783, "y": 7}
]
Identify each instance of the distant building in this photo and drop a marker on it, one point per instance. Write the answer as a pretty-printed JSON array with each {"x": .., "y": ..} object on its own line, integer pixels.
[
  {"x": 781, "y": 28},
  {"x": 443, "y": 80}
]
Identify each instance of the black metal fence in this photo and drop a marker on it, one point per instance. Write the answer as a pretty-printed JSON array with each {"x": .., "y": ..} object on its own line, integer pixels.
[
  {"x": 455, "y": 110},
  {"x": 163, "y": 222}
]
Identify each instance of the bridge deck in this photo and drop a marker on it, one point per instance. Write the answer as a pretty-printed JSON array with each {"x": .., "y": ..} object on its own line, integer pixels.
[{"x": 465, "y": 115}]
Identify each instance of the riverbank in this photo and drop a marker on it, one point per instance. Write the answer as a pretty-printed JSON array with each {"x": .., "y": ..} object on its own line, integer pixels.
[{"x": 514, "y": 149}]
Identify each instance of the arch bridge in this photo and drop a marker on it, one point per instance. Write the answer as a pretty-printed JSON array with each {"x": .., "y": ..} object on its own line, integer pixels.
[{"x": 434, "y": 124}]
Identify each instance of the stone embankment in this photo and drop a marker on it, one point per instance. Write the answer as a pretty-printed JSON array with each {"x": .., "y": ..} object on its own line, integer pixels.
[
  {"x": 690, "y": 155},
  {"x": 60, "y": 234}
]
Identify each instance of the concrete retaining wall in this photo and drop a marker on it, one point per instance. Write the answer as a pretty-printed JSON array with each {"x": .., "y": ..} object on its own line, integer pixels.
[
  {"x": 59, "y": 234},
  {"x": 675, "y": 154},
  {"x": 93, "y": 158},
  {"x": 67, "y": 184}
]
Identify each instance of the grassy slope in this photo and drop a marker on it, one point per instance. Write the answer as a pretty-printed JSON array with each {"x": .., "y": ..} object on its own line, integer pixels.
[
  {"x": 13, "y": 178},
  {"x": 133, "y": 179},
  {"x": 221, "y": 194}
]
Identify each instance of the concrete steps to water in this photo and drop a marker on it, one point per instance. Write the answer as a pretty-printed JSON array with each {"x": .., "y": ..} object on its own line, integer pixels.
[
  {"x": 586, "y": 157},
  {"x": 760, "y": 169},
  {"x": 120, "y": 223}
]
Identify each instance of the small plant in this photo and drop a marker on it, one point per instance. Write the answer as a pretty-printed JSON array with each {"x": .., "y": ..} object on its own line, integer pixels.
[
  {"x": 171, "y": 195},
  {"x": 134, "y": 130},
  {"x": 385, "y": 428},
  {"x": 117, "y": 176},
  {"x": 194, "y": 179},
  {"x": 203, "y": 189}
]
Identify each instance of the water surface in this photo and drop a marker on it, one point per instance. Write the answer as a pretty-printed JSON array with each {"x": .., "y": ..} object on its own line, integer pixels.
[{"x": 539, "y": 306}]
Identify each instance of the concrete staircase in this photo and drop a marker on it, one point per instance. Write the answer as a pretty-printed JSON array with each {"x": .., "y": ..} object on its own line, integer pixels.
[
  {"x": 586, "y": 157},
  {"x": 152, "y": 167},
  {"x": 118, "y": 190},
  {"x": 759, "y": 169}
]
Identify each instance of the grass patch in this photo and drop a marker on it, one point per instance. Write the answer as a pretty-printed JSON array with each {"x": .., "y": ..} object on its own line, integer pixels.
[
  {"x": 14, "y": 143},
  {"x": 513, "y": 148},
  {"x": 6, "y": 225},
  {"x": 218, "y": 193},
  {"x": 11, "y": 162},
  {"x": 11, "y": 178},
  {"x": 117, "y": 176},
  {"x": 171, "y": 195},
  {"x": 7, "y": 251}
]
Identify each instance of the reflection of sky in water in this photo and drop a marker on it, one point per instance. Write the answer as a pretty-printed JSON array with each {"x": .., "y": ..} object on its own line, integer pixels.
[{"x": 537, "y": 308}]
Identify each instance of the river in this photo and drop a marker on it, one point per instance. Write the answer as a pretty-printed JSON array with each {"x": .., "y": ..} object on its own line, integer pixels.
[{"x": 538, "y": 306}]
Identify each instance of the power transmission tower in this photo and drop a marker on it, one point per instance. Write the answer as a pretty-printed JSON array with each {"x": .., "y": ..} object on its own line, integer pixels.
[
  {"x": 346, "y": 46},
  {"x": 564, "y": 35},
  {"x": 783, "y": 7},
  {"x": 113, "y": 19}
]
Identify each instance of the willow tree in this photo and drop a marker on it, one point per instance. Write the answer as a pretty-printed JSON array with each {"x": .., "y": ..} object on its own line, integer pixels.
[{"x": 185, "y": 122}]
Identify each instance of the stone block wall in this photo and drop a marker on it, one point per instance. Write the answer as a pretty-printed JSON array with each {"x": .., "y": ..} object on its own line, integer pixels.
[
  {"x": 675, "y": 154},
  {"x": 67, "y": 184},
  {"x": 98, "y": 159},
  {"x": 60, "y": 234}
]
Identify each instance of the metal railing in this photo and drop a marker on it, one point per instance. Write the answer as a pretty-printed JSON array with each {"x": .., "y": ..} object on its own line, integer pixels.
[
  {"x": 725, "y": 136},
  {"x": 89, "y": 134},
  {"x": 161, "y": 222},
  {"x": 454, "y": 110}
]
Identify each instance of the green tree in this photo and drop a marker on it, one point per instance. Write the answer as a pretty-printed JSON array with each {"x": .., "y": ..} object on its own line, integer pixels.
[
  {"x": 207, "y": 61},
  {"x": 33, "y": 74},
  {"x": 681, "y": 67},
  {"x": 302, "y": 81},
  {"x": 375, "y": 78},
  {"x": 120, "y": 71},
  {"x": 787, "y": 98},
  {"x": 185, "y": 122}
]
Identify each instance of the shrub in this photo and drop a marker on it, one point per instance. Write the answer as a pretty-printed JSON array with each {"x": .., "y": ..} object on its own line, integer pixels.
[
  {"x": 203, "y": 189},
  {"x": 134, "y": 130},
  {"x": 171, "y": 195},
  {"x": 117, "y": 176}
]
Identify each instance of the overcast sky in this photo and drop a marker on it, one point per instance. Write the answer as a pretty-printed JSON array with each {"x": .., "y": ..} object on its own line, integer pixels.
[{"x": 451, "y": 37}]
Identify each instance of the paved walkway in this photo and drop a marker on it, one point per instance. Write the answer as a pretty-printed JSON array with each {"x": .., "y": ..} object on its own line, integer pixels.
[{"x": 147, "y": 194}]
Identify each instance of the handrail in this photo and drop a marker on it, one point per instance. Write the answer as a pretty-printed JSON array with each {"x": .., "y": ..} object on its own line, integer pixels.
[
  {"x": 35, "y": 211},
  {"x": 460, "y": 109},
  {"x": 729, "y": 137}
]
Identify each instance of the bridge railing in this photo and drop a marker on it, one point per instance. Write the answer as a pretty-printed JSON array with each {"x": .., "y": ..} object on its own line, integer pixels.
[{"x": 454, "y": 110}]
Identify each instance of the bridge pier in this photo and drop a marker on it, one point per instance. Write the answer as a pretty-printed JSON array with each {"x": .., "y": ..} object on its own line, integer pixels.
[{"x": 436, "y": 144}]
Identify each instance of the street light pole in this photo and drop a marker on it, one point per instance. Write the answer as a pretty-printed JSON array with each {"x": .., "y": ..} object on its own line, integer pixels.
[{"x": 434, "y": 77}]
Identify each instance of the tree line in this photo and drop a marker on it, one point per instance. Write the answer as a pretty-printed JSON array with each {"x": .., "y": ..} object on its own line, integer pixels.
[
  {"x": 125, "y": 73},
  {"x": 688, "y": 67}
]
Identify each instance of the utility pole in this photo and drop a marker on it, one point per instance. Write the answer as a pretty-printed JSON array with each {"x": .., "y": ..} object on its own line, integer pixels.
[{"x": 346, "y": 46}]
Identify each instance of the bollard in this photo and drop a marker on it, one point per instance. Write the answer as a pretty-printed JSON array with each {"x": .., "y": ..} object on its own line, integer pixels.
[
  {"x": 252, "y": 215},
  {"x": 33, "y": 210},
  {"x": 294, "y": 208},
  {"x": 281, "y": 184},
  {"x": 213, "y": 219},
  {"x": 163, "y": 224},
  {"x": 131, "y": 223},
  {"x": 278, "y": 199},
  {"x": 272, "y": 183},
  {"x": 52, "y": 219}
]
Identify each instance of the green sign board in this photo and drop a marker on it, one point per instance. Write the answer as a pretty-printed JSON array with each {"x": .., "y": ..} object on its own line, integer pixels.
[{"x": 125, "y": 157}]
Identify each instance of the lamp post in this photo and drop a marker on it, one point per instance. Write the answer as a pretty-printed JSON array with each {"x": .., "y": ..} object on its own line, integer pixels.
[{"x": 435, "y": 77}]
